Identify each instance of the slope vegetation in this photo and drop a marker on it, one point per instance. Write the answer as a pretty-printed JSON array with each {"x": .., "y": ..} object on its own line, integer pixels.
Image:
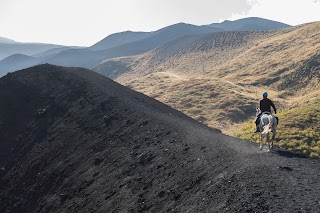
[{"x": 75, "y": 141}]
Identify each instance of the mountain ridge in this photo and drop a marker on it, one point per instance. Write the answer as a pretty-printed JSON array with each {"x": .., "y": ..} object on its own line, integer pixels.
[
  {"x": 250, "y": 24},
  {"x": 117, "y": 39},
  {"x": 115, "y": 45},
  {"x": 7, "y": 49},
  {"x": 9, "y": 64},
  {"x": 6, "y": 40}
]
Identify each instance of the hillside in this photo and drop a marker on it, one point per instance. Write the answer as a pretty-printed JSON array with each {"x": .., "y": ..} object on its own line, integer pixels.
[
  {"x": 299, "y": 129},
  {"x": 218, "y": 78},
  {"x": 80, "y": 142},
  {"x": 185, "y": 55}
]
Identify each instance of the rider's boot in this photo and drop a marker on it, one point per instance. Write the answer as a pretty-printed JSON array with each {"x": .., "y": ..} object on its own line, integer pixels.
[{"x": 257, "y": 129}]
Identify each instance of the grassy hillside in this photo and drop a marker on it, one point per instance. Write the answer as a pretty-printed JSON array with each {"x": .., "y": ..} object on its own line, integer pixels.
[
  {"x": 214, "y": 102},
  {"x": 298, "y": 130},
  {"x": 219, "y": 77}
]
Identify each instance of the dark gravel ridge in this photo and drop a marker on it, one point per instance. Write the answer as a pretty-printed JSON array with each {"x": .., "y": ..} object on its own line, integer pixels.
[{"x": 72, "y": 140}]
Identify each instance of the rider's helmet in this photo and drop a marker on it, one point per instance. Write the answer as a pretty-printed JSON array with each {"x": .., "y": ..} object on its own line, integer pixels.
[{"x": 265, "y": 94}]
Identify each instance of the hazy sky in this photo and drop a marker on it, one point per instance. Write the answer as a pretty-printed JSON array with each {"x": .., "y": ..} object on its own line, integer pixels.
[{"x": 84, "y": 22}]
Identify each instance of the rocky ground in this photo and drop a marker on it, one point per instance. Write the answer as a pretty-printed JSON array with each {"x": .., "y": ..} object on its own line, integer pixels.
[{"x": 72, "y": 140}]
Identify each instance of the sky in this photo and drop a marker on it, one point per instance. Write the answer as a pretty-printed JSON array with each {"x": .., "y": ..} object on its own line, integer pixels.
[{"x": 85, "y": 22}]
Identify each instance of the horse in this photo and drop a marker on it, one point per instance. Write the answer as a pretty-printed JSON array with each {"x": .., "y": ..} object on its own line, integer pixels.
[{"x": 267, "y": 124}]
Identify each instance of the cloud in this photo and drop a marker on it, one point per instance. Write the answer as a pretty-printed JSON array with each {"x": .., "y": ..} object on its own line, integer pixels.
[
  {"x": 196, "y": 11},
  {"x": 287, "y": 11}
]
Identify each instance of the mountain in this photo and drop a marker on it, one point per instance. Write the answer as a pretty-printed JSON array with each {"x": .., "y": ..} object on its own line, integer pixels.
[
  {"x": 16, "y": 62},
  {"x": 19, "y": 61},
  {"x": 7, "y": 49},
  {"x": 75, "y": 141},
  {"x": 157, "y": 39},
  {"x": 132, "y": 43},
  {"x": 116, "y": 45},
  {"x": 226, "y": 44},
  {"x": 7, "y": 41},
  {"x": 249, "y": 24},
  {"x": 218, "y": 78},
  {"x": 117, "y": 39},
  {"x": 175, "y": 74},
  {"x": 89, "y": 58},
  {"x": 179, "y": 74},
  {"x": 75, "y": 58},
  {"x": 54, "y": 51}
]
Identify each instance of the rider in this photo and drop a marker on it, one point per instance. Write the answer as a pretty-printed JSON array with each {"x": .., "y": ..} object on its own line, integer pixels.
[{"x": 265, "y": 106}]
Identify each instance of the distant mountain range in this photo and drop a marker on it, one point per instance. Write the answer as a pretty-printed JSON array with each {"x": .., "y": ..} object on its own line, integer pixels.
[
  {"x": 116, "y": 45},
  {"x": 10, "y": 64},
  {"x": 7, "y": 48}
]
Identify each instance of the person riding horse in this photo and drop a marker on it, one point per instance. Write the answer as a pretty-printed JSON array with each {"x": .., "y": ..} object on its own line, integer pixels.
[{"x": 265, "y": 106}]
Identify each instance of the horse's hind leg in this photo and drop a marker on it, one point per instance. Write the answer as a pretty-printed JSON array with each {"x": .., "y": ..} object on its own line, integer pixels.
[
  {"x": 268, "y": 141},
  {"x": 273, "y": 136},
  {"x": 260, "y": 147}
]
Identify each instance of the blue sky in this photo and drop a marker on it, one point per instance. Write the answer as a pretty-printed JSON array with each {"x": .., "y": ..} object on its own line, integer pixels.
[{"x": 84, "y": 22}]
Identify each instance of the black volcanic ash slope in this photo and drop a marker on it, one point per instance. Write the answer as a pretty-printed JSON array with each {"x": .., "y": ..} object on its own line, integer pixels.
[{"x": 72, "y": 140}]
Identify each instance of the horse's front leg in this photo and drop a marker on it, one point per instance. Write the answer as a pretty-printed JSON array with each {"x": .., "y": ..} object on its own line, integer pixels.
[{"x": 260, "y": 147}]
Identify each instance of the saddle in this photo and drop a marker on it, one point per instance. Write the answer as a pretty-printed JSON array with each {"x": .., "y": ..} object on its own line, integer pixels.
[{"x": 265, "y": 113}]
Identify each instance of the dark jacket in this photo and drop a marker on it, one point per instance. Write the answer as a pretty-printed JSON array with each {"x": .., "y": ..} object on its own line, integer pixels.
[{"x": 266, "y": 104}]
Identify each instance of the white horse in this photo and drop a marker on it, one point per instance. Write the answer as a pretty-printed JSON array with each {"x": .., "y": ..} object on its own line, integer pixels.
[{"x": 267, "y": 124}]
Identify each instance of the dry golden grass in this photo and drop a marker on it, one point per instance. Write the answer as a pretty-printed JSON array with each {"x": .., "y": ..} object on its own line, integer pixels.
[{"x": 214, "y": 102}]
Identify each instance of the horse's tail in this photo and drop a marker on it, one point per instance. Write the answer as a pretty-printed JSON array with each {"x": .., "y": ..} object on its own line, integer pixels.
[
  {"x": 270, "y": 121},
  {"x": 268, "y": 128}
]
